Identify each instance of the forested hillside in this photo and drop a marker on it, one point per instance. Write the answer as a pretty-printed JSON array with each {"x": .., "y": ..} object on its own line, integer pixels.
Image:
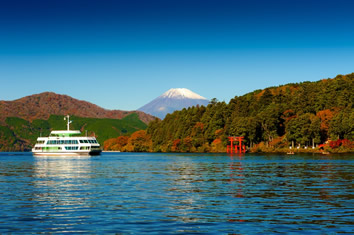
[
  {"x": 301, "y": 114},
  {"x": 41, "y": 106},
  {"x": 20, "y": 135}
]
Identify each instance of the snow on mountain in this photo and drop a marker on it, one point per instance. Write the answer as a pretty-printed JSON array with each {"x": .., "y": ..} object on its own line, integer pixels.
[
  {"x": 182, "y": 93},
  {"x": 172, "y": 100}
]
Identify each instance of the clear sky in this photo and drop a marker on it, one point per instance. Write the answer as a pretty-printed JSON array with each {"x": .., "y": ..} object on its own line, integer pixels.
[{"x": 122, "y": 54}]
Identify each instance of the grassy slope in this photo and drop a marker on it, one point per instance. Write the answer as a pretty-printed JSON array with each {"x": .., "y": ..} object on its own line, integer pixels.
[{"x": 19, "y": 134}]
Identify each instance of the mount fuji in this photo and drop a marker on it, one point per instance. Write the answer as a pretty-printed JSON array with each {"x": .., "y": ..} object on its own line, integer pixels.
[{"x": 171, "y": 100}]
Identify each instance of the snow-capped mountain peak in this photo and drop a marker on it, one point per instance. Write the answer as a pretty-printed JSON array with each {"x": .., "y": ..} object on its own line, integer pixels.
[
  {"x": 181, "y": 93},
  {"x": 171, "y": 100}
]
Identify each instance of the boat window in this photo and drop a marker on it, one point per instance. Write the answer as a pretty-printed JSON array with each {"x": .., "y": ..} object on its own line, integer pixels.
[
  {"x": 71, "y": 147},
  {"x": 51, "y": 149},
  {"x": 86, "y": 142}
]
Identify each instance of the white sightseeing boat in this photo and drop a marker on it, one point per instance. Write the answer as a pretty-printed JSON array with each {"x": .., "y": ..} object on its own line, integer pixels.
[{"x": 66, "y": 142}]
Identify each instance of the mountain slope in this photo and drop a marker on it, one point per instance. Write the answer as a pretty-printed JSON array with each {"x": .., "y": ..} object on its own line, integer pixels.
[
  {"x": 18, "y": 134},
  {"x": 41, "y": 106},
  {"x": 172, "y": 100},
  {"x": 23, "y": 120}
]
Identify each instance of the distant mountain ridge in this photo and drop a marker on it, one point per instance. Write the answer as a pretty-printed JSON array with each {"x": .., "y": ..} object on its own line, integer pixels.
[
  {"x": 41, "y": 106},
  {"x": 172, "y": 100}
]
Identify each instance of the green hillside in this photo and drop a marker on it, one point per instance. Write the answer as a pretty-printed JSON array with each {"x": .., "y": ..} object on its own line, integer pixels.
[
  {"x": 20, "y": 135},
  {"x": 301, "y": 114}
]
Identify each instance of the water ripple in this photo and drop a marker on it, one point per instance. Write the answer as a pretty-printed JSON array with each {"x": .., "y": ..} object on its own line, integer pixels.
[{"x": 176, "y": 193}]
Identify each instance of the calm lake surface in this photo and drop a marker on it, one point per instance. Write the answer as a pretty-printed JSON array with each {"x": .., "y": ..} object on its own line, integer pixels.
[{"x": 141, "y": 193}]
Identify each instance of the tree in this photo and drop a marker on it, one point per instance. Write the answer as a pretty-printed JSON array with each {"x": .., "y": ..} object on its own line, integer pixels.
[
  {"x": 116, "y": 144},
  {"x": 270, "y": 121},
  {"x": 197, "y": 135},
  {"x": 342, "y": 125},
  {"x": 304, "y": 129},
  {"x": 325, "y": 117},
  {"x": 139, "y": 141},
  {"x": 213, "y": 101}
]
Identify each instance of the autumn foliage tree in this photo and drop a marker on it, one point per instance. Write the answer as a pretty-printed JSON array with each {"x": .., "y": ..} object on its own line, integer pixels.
[
  {"x": 116, "y": 144},
  {"x": 139, "y": 141}
]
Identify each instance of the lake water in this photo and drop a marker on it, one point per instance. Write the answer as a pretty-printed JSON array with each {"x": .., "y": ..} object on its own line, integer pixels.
[{"x": 138, "y": 193}]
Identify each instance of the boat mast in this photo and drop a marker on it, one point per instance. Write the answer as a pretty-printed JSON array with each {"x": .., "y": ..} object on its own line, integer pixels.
[{"x": 68, "y": 123}]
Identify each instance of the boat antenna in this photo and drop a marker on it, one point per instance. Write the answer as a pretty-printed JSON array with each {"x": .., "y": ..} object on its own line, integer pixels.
[{"x": 68, "y": 123}]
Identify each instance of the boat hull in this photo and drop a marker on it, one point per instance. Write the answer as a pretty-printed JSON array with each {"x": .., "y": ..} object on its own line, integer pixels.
[{"x": 67, "y": 153}]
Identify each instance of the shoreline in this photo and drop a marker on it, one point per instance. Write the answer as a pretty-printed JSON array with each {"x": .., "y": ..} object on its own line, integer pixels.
[{"x": 259, "y": 151}]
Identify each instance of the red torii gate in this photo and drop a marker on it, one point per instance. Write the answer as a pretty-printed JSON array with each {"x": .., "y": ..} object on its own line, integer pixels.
[{"x": 238, "y": 149}]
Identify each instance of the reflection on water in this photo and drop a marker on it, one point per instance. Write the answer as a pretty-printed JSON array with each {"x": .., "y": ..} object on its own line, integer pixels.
[
  {"x": 236, "y": 176},
  {"x": 169, "y": 193},
  {"x": 62, "y": 180},
  {"x": 47, "y": 190},
  {"x": 183, "y": 190}
]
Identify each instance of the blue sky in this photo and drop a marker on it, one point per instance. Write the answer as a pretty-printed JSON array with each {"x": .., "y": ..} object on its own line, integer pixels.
[{"x": 122, "y": 54}]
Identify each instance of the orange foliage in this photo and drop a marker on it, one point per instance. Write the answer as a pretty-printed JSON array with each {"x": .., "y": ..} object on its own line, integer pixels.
[
  {"x": 216, "y": 146},
  {"x": 138, "y": 135},
  {"x": 197, "y": 129},
  {"x": 187, "y": 142},
  {"x": 139, "y": 141},
  {"x": 109, "y": 143},
  {"x": 216, "y": 142},
  {"x": 199, "y": 125},
  {"x": 277, "y": 90},
  {"x": 116, "y": 144},
  {"x": 325, "y": 116},
  {"x": 288, "y": 115},
  {"x": 276, "y": 141},
  {"x": 175, "y": 145},
  {"x": 218, "y": 133}
]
